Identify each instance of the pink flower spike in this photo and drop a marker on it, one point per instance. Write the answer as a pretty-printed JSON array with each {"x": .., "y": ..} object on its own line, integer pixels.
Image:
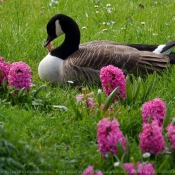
[
  {"x": 112, "y": 77},
  {"x": 171, "y": 134},
  {"x": 109, "y": 134},
  {"x": 4, "y": 70},
  {"x": 80, "y": 97},
  {"x": 145, "y": 169},
  {"x": 156, "y": 109},
  {"x": 90, "y": 171},
  {"x": 99, "y": 173},
  {"x": 151, "y": 138},
  {"x": 91, "y": 102},
  {"x": 129, "y": 168},
  {"x": 20, "y": 75},
  {"x": 142, "y": 169},
  {"x": 1, "y": 60}
]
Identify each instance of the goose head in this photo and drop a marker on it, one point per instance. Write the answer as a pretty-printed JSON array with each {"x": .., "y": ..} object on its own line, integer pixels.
[
  {"x": 50, "y": 67},
  {"x": 54, "y": 28},
  {"x": 63, "y": 24}
]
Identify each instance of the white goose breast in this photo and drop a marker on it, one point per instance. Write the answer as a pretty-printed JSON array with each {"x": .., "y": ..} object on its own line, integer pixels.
[{"x": 48, "y": 68}]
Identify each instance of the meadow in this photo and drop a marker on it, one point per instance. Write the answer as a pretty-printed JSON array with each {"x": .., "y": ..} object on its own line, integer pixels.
[{"x": 47, "y": 131}]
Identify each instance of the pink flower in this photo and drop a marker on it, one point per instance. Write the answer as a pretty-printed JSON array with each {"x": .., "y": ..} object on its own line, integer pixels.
[
  {"x": 20, "y": 75},
  {"x": 90, "y": 171},
  {"x": 112, "y": 77},
  {"x": 4, "y": 70},
  {"x": 129, "y": 168},
  {"x": 156, "y": 109},
  {"x": 141, "y": 169},
  {"x": 1, "y": 60},
  {"x": 145, "y": 169},
  {"x": 109, "y": 135},
  {"x": 89, "y": 101},
  {"x": 99, "y": 173},
  {"x": 151, "y": 138},
  {"x": 171, "y": 134},
  {"x": 80, "y": 97},
  {"x": 102, "y": 106}
]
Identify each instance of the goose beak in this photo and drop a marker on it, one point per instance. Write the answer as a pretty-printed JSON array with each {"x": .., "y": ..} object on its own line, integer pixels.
[{"x": 49, "y": 39}]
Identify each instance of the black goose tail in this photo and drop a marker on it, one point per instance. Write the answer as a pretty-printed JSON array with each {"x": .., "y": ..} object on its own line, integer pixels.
[
  {"x": 143, "y": 47},
  {"x": 165, "y": 49},
  {"x": 172, "y": 58}
]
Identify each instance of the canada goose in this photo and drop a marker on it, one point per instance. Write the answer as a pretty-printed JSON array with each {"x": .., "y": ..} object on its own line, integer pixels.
[{"x": 72, "y": 61}]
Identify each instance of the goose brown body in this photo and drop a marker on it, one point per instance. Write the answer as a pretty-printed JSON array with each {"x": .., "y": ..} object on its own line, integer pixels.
[
  {"x": 76, "y": 62},
  {"x": 85, "y": 63}
]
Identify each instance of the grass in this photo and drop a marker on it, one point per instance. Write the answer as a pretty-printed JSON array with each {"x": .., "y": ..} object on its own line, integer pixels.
[{"x": 54, "y": 141}]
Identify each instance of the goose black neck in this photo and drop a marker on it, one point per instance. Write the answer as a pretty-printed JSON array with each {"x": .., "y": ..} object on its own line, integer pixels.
[{"x": 71, "y": 41}]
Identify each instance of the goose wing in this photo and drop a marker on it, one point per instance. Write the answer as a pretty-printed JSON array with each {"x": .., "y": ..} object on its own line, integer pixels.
[
  {"x": 85, "y": 63},
  {"x": 140, "y": 47},
  {"x": 98, "y": 54},
  {"x": 77, "y": 74},
  {"x": 165, "y": 49}
]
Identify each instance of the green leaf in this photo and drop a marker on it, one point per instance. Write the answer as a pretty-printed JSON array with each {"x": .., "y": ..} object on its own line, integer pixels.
[
  {"x": 144, "y": 90},
  {"x": 99, "y": 97},
  {"x": 4, "y": 84},
  {"x": 134, "y": 84},
  {"x": 110, "y": 98},
  {"x": 64, "y": 108},
  {"x": 36, "y": 103},
  {"x": 173, "y": 121},
  {"x": 21, "y": 92},
  {"x": 150, "y": 88},
  {"x": 10, "y": 162},
  {"x": 127, "y": 155},
  {"x": 167, "y": 118},
  {"x": 120, "y": 150},
  {"x": 128, "y": 79},
  {"x": 137, "y": 89},
  {"x": 74, "y": 107},
  {"x": 162, "y": 165},
  {"x": 129, "y": 93},
  {"x": 39, "y": 90}
]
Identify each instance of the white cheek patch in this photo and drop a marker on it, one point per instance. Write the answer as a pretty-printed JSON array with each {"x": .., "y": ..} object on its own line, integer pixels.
[
  {"x": 58, "y": 28},
  {"x": 159, "y": 49}
]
